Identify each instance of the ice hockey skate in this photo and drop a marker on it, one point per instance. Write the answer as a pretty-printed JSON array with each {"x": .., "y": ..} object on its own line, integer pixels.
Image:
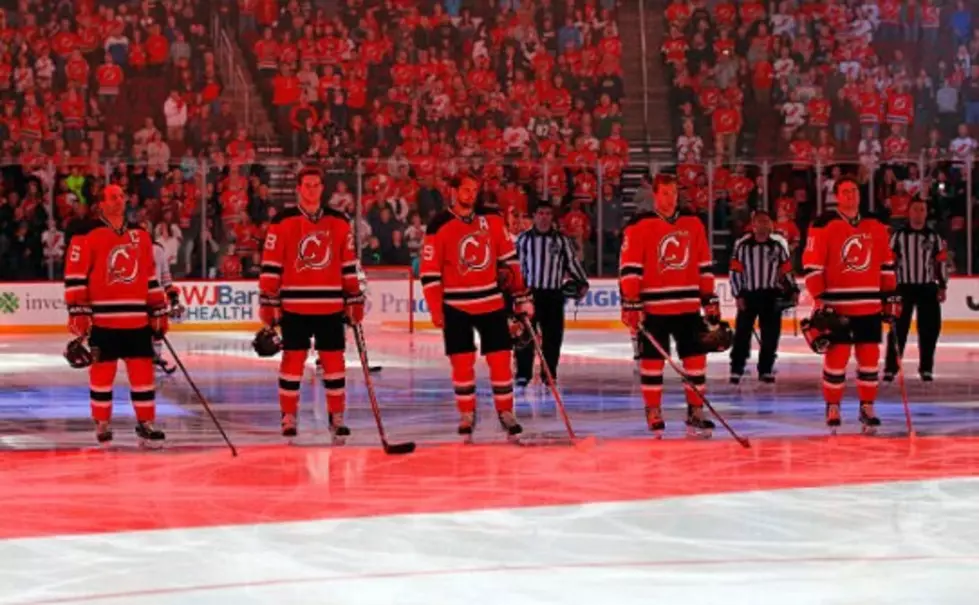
[
  {"x": 869, "y": 422},
  {"x": 654, "y": 420},
  {"x": 833, "y": 419},
  {"x": 467, "y": 426},
  {"x": 338, "y": 429},
  {"x": 149, "y": 436},
  {"x": 509, "y": 424},
  {"x": 103, "y": 434},
  {"x": 290, "y": 428},
  {"x": 698, "y": 425}
]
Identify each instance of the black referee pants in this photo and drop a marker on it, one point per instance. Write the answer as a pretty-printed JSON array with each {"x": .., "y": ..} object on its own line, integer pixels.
[
  {"x": 549, "y": 319},
  {"x": 761, "y": 305},
  {"x": 925, "y": 299}
]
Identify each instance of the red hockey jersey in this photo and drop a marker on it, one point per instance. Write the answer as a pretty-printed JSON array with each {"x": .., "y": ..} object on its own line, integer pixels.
[
  {"x": 666, "y": 263},
  {"x": 112, "y": 271},
  {"x": 849, "y": 265},
  {"x": 461, "y": 259},
  {"x": 309, "y": 262}
]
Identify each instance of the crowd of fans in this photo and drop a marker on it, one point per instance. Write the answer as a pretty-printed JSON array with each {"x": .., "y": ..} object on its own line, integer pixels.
[
  {"x": 884, "y": 90},
  {"x": 114, "y": 91},
  {"x": 396, "y": 98},
  {"x": 523, "y": 95}
]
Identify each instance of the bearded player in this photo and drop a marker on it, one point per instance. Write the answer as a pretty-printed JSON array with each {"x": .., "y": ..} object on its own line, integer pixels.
[
  {"x": 665, "y": 278},
  {"x": 849, "y": 272},
  {"x": 309, "y": 288},
  {"x": 468, "y": 264},
  {"x": 115, "y": 300}
]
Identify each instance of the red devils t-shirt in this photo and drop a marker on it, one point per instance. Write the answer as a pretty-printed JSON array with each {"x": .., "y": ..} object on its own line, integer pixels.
[{"x": 157, "y": 49}]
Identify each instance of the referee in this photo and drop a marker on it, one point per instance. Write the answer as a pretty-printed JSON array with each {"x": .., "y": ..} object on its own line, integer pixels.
[
  {"x": 760, "y": 265},
  {"x": 546, "y": 258},
  {"x": 922, "y": 279}
]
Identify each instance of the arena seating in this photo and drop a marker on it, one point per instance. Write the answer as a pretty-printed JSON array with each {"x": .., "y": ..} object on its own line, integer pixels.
[
  {"x": 121, "y": 92},
  {"x": 525, "y": 100},
  {"x": 815, "y": 90}
]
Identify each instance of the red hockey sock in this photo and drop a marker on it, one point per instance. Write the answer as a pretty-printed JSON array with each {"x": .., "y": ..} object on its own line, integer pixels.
[
  {"x": 334, "y": 380},
  {"x": 290, "y": 377},
  {"x": 501, "y": 377},
  {"x": 142, "y": 388},
  {"x": 464, "y": 380},
  {"x": 651, "y": 379},
  {"x": 101, "y": 375},
  {"x": 834, "y": 372},
  {"x": 868, "y": 357},
  {"x": 696, "y": 370}
]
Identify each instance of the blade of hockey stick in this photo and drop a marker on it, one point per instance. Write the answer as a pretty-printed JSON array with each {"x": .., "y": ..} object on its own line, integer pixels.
[{"x": 396, "y": 449}]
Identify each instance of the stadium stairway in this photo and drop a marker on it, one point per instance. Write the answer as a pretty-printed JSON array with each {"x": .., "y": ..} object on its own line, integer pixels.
[{"x": 652, "y": 141}]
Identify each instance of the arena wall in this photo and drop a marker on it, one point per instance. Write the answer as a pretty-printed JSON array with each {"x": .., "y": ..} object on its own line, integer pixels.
[{"x": 233, "y": 305}]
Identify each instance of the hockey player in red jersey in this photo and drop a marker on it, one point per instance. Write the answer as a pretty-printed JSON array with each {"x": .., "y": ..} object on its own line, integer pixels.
[
  {"x": 308, "y": 287},
  {"x": 849, "y": 272},
  {"x": 114, "y": 300},
  {"x": 666, "y": 279},
  {"x": 468, "y": 264}
]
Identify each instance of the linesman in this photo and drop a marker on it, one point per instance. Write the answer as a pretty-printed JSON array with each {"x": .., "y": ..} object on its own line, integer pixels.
[
  {"x": 922, "y": 281},
  {"x": 760, "y": 275},
  {"x": 551, "y": 270}
]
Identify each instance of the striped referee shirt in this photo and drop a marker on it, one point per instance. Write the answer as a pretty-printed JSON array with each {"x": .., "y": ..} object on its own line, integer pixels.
[
  {"x": 546, "y": 258},
  {"x": 758, "y": 265},
  {"x": 922, "y": 257}
]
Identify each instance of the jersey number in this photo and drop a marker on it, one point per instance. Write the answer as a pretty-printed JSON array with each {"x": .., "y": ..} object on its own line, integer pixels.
[
  {"x": 270, "y": 241},
  {"x": 75, "y": 255}
]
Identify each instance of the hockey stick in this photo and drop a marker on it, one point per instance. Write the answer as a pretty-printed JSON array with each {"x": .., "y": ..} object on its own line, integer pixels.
[
  {"x": 389, "y": 448},
  {"x": 200, "y": 396},
  {"x": 686, "y": 380},
  {"x": 795, "y": 321},
  {"x": 536, "y": 338},
  {"x": 900, "y": 378}
]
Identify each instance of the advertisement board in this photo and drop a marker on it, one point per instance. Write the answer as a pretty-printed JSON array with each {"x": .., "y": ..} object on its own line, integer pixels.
[{"x": 233, "y": 305}]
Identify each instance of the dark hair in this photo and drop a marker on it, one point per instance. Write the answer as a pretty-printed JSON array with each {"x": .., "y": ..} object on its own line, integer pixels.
[
  {"x": 760, "y": 214},
  {"x": 663, "y": 179},
  {"x": 844, "y": 179},
  {"x": 544, "y": 205},
  {"x": 308, "y": 171},
  {"x": 918, "y": 200}
]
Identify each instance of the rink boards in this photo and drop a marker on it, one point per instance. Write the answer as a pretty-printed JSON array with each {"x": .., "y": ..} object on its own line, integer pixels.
[{"x": 233, "y": 305}]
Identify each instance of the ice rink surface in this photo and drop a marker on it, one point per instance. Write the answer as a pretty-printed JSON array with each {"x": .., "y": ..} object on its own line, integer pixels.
[{"x": 799, "y": 518}]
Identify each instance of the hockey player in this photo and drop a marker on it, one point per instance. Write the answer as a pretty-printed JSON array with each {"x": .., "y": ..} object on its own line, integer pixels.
[
  {"x": 468, "y": 263},
  {"x": 115, "y": 300},
  {"x": 308, "y": 287},
  {"x": 849, "y": 271},
  {"x": 176, "y": 310},
  {"x": 665, "y": 278}
]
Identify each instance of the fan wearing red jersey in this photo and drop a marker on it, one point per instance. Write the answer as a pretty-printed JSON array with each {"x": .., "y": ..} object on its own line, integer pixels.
[
  {"x": 468, "y": 264},
  {"x": 665, "y": 278},
  {"x": 309, "y": 288},
  {"x": 115, "y": 300},
  {"x": 849, "y": 270}
]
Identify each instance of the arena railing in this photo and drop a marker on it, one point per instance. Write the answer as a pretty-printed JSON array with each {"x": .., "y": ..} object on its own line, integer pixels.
[{"x": 210, "y": 228}]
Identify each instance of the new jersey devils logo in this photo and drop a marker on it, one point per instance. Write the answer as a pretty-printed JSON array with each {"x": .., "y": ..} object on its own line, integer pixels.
[
  {"x": 674, "y": 251},
  {"x": 855, "y": 253},
  {"x": 313, "y": 251},
  {"x": 123, "y": 264},
  {"x": 474, "y": 253}
]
